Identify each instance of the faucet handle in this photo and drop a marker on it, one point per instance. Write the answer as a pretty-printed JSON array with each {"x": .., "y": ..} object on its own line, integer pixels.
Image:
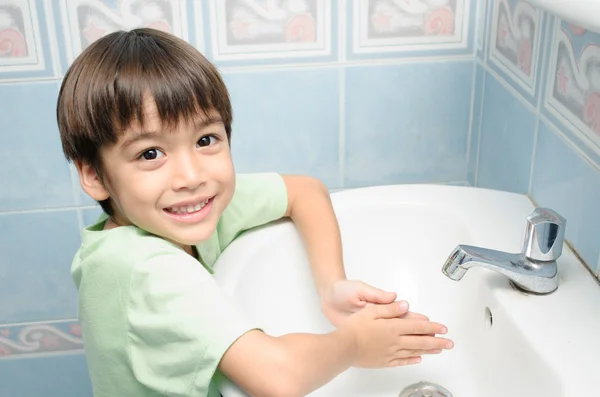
[{"x": 544, "y": 235}]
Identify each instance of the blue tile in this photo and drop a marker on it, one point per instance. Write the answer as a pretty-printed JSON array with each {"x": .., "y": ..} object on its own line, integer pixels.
[
  {"x": 34, "y": 172},
  {"x": 565, "y": 182},
  {"x": 35, "y": 281},
  {"x": 286, "y": 121},
  {"x": 21, "y": 17},
  {"x": 61, "y": 375},
  {"x": 80, "y": 197},
  {"x": 506, "y": 146},
  {"x": 90, "y": 215},
  {"x": 407, "y": 123},
  {"x": 476, "y": 123}
]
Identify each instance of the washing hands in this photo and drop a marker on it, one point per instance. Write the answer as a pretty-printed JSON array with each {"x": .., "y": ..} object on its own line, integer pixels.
[{"x": 345, "y": 297}]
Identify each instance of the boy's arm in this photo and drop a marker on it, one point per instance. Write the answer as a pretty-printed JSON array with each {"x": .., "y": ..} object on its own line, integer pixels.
[
  {"x": 294, "y": 365},
  {"x": 310, "y": 208}
]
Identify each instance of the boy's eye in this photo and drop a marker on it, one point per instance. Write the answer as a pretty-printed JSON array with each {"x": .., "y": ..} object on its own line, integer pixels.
[
  {"x": 152, "y": 154},
  {"x": 206, "y": 140}
]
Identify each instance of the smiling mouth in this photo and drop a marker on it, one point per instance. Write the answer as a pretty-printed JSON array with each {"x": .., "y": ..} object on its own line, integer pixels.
[{"x": 188, "y": 209}]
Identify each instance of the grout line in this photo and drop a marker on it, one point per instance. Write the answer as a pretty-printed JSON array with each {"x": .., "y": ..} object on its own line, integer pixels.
[
  {"x": 478, "y": 26},
  {"x": 489, "y": 25},
  {"x": 536, "y": 132},
  {"x": 342, "y": 25},
  {"x": 479, "y": 129},
  {"x": 341, "y": 95},
  {"x": 471, "y": 113},
  {"x": 41, "y": 322},
  {"x": 347, "y": 63},
  {"x": 21, "y": 80},
  {"x": 543, "y": 78},
  {"x": 44, "y": 210},
  {"x": 51, "y": 26}
]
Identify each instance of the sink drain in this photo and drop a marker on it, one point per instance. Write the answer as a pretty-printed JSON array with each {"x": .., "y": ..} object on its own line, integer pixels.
[{"x": 425, "y": 389}]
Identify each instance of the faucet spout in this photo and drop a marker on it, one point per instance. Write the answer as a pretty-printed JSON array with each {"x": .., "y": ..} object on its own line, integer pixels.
[{"x": 529, "y": 275}]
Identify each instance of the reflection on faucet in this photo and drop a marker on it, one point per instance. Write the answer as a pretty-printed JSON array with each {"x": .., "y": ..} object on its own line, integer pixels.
[{"x": 533, "y": 270}]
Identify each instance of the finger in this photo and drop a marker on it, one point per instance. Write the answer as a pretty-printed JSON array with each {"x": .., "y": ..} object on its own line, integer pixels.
[
  {"x": 376, "y": 295},
  {"x": 391, "y": 310},
  {"x": 421, "y": 327},
  {"x": 415, "y": 353},
  {"x": 415, "y": 316},
  {"x": 404, "y": 361},
  {"x": 424, "y": 342}
]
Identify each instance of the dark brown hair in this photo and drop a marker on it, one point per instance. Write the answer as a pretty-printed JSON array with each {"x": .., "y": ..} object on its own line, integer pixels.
[{"x": 103, "y": 91}]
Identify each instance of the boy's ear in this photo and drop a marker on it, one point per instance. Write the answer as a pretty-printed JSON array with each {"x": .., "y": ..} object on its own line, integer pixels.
[{"x": 90, "y": 182}]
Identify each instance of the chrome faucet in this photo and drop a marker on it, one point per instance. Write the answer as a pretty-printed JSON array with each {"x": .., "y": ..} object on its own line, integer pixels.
[{"x": 533, "y": 270}]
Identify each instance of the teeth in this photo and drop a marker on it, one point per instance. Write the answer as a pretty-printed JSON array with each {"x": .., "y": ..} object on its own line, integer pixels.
[{"x": 189, "y": 208}]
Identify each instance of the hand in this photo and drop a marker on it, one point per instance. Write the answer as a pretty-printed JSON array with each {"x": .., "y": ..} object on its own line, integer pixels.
[
  {"x": 345, "y": 297},
  {"x": 383, "y": 339}
]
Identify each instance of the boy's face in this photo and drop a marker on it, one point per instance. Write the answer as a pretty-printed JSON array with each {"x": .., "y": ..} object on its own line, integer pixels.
[{"x": 174, "y": 184}]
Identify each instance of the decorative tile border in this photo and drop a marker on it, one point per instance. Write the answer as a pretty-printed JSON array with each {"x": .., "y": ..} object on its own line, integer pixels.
[
  {"x": 20, "y": 340},
  {"x": 573, "y": 90},
  {"x": 85, "y": 21},
  {"x": 516, "y": 41},
  {"x": 410, "y": 25},
  {"x": 253, "y": 29},
  {"x": 20, "y": 37}
]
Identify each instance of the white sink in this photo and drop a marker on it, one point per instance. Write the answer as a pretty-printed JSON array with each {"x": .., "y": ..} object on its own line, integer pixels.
[{"x": 397, "y": 238}]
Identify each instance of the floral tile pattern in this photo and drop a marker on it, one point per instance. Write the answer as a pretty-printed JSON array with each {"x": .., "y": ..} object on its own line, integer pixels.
[
  {"x": 85, "y": 21},
  {"x": 253, "y": 29},
  {"x": 20, "y": 37},
  {"x": 516, "y": 41},
  {"x": 573, "y": 94},
  {"x": 389, "y": 25},
  {"x": 40, "y": 338}
]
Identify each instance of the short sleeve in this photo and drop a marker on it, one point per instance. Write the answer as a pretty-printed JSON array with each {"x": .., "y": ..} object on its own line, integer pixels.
[
  {"x": 259, "y": 198},
  {"x": 180, "y": 325}
]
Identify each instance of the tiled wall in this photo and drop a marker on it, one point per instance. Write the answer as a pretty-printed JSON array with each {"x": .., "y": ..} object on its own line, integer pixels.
[
  {"x": 355, "y": 92},
  {"x": 537, "y": 116}
]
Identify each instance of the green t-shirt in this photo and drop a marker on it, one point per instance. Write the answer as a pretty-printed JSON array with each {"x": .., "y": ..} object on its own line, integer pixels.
[{"x": 154, "y": 321}]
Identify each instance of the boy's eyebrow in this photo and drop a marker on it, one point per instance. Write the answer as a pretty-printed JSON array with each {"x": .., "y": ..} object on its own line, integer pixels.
[{"x": 140, "y": 136}]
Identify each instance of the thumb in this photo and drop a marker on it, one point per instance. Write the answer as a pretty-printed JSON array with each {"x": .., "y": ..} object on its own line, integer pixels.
[
  {"x": 391, "y": 310},
  {"x": 376, "y": 295}
]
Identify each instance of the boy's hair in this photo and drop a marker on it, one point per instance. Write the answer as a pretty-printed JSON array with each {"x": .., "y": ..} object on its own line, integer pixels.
[{"x": 104, "y": 89}]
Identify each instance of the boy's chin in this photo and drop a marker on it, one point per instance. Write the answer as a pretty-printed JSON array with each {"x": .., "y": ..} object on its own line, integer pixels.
[{"x": 193, "y": 237}]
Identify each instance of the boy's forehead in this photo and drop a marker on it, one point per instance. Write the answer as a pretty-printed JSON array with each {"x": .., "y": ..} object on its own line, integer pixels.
[{"x": 153, "y": 122}]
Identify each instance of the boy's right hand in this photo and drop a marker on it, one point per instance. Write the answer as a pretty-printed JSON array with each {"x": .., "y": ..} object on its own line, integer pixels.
[{"x": 384, "y": 338}]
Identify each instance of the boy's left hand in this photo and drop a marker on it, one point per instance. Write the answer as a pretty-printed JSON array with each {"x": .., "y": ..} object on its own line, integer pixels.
[{"x": 345, "y": 297}]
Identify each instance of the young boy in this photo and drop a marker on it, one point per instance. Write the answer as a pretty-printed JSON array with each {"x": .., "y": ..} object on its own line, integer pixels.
[{"x": 147, "y": 121}]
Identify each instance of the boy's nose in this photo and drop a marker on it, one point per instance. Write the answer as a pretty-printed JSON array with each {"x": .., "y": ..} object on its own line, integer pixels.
[{"x": 188, "y": 172}]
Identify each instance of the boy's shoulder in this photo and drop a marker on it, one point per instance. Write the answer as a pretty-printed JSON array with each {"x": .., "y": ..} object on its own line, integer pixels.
[{"x": 115, "y": 252}]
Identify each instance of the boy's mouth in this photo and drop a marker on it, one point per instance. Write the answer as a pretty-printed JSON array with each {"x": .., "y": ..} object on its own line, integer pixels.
[{"x": 188, "y": 209}]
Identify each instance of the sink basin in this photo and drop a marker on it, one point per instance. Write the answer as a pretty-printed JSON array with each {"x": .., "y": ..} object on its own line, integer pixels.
[{"x": 507, "y": 343}]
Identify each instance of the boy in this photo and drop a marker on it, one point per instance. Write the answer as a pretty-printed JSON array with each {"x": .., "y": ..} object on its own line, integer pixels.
[{"x": 147, "y": 121}]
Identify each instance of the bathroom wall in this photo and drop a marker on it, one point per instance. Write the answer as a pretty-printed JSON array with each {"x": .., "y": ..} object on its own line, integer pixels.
[
  {"x": 354, "y": 92},
  {"x": 537, "y": 115}
]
